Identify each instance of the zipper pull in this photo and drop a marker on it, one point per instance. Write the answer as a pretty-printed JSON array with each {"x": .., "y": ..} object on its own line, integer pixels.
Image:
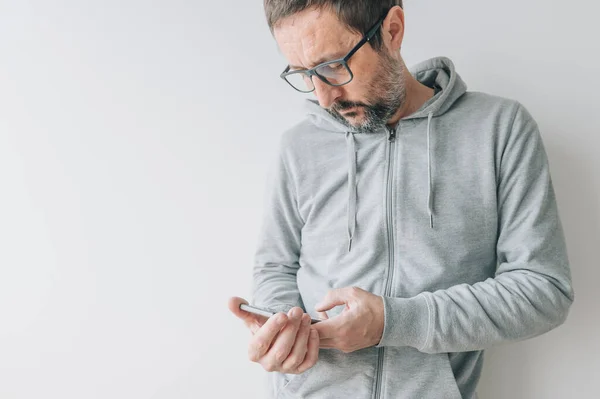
[{"x": 392, "y": 135}]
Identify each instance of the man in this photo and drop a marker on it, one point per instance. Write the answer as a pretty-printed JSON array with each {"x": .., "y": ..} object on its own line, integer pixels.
[{"x": 420, "y": 215}]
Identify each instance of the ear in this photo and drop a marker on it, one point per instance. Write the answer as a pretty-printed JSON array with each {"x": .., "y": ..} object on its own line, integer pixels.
[{"x": 392, "y": 29}]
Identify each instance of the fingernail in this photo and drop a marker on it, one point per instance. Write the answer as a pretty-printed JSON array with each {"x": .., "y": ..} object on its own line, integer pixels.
[{"x": 306, "y": 321}]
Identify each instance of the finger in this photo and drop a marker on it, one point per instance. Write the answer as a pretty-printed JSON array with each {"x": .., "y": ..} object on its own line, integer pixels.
[
  {"x": 264, "y": 336},
  {"x": 312, "y": 352},
  {"x": 234, "y": 306},
  {"x": 327, "y": 343},
  {"x": 298, "y": 352},
  {"x": 323, "y": 315},
  {"x": 329, "y": 328},
  {"x": 283, "y": 344},
  {"x": 251, "y": 320},
  {"x": 333, "y": 298}
]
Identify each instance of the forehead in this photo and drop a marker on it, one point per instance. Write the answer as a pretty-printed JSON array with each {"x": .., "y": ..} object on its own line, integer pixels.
[{"x": 313, "y": 36}]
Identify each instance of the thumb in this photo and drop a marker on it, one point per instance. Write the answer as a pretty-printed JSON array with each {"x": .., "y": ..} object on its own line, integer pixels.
[{"x": 333, "y": 298}]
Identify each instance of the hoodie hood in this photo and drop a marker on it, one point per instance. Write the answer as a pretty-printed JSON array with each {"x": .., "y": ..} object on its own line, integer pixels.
[{"x": 438, "y": 71}]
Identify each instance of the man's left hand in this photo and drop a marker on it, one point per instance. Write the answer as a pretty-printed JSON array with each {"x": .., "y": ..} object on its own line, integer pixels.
[{"x": 360, "y": 325}]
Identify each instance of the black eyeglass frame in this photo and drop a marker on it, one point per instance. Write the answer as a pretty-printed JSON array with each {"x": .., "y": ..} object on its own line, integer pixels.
[{"x": 344, "y": 61}]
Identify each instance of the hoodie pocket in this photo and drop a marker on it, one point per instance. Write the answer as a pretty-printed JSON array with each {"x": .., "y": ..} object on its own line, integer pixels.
[
  {"x": 335, "y": 375},
  {"x": 287, "y": 390},
  {"x": 448, "y": 378},
  {"x": 409, "y": 373}
]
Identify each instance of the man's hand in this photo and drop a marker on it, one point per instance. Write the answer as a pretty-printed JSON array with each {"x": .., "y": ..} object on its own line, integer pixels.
[
  {"x": 284, "y": 343},
  {"x": 360, "y": 324}
]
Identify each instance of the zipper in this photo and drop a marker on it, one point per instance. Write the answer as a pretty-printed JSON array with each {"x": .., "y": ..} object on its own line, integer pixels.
[{"x": 390, "y": 174}]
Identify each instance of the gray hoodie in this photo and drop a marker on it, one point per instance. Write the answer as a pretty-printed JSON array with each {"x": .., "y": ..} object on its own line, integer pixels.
[{"x": 451, "y": 217}]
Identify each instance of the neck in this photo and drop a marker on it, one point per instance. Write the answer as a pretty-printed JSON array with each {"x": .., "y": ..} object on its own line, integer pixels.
[{"x": 416, "y": 95}]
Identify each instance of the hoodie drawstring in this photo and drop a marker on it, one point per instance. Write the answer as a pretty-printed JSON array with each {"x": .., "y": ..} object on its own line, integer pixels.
[
  {"x": 352, "y": 187},
  {"x": 351, "y": 147},
  {"x": 430, "y": 188}
]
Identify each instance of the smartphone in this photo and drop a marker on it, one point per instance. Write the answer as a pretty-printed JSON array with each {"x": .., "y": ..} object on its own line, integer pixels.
[{"x": 266, "y": 312}]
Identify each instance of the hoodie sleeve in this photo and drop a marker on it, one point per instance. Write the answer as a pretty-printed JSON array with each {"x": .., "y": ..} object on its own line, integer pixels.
[
  {"x": 277, "y": 255},
  {"x": 531, "y": 291}
]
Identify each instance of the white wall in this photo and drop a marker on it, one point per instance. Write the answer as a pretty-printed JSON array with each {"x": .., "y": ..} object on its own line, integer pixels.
[{"x": 134, "y": 141}]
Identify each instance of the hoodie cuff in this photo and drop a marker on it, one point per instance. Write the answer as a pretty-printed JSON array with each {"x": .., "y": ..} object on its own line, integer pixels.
[{"x": 406, "y": 322}]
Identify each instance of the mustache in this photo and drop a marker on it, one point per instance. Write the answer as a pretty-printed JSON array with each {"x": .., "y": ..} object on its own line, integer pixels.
[{"x": 343, "y": 105}]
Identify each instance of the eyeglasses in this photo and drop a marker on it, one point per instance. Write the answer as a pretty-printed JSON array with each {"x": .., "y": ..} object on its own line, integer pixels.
[{"x": 334, "y": 73}]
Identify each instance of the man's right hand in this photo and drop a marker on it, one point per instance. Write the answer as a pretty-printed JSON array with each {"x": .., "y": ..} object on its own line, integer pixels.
[{"x": 285, "y": 342}]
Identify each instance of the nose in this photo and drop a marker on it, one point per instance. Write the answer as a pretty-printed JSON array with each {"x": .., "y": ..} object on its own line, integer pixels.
[{"x": 326, "y": 94}]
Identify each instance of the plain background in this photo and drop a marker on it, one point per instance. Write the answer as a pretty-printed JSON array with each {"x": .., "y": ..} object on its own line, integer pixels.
[{"x": 135, "y": 138}]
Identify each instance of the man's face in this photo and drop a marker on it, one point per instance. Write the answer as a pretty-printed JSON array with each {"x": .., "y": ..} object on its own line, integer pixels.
[{"x": 378, "y": 89}]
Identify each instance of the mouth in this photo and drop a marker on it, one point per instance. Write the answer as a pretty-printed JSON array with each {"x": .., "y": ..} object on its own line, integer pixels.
[{"x": 351, "y": 110}]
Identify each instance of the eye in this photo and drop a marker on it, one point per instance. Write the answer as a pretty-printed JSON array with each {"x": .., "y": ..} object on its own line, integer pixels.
[{"x": 335, "y": 66}]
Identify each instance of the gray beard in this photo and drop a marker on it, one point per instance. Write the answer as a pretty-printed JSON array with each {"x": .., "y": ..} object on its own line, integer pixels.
[{"x": 392, "y": 87}]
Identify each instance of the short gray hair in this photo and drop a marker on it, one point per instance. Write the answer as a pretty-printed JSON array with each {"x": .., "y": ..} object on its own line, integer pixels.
[{"x": 357, "y": 15}]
